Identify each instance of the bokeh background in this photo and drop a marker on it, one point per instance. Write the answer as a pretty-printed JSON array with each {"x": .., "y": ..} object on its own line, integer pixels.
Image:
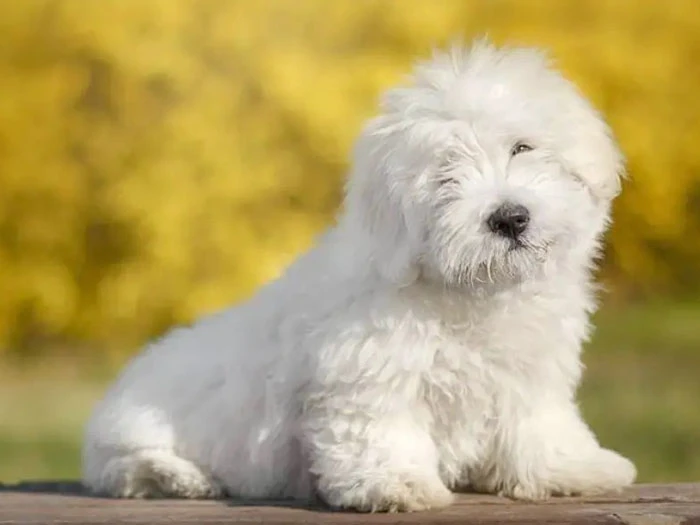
[{"x": 160, "y": 159}]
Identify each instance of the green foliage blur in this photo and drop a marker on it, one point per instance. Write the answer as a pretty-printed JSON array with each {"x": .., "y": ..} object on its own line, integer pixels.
[{"x": 160, "y": 159}]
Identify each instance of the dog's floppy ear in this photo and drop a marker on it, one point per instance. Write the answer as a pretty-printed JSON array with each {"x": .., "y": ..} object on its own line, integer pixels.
[
  {"x": 380, "y": 204},
  {"x": 593, "y": 155}
]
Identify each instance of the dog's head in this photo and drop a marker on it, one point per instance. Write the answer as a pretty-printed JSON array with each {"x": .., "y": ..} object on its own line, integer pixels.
[{"x": 489, "y": 167}]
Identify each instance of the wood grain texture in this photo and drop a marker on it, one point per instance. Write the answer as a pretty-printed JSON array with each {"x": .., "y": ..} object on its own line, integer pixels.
[{"x": 64, "y": 503}]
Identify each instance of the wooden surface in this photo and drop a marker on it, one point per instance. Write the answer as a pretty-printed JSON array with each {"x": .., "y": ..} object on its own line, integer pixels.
[{"x": 56, "y": 502}]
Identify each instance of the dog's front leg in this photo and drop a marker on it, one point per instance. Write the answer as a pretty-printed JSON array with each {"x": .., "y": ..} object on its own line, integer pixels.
[
  {"x": 546, "y": 449},
  {"x": 368, "y": 453}
]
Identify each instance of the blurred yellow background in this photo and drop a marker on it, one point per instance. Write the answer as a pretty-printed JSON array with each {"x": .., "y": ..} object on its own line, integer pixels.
[{"x": 160, "y": 159}]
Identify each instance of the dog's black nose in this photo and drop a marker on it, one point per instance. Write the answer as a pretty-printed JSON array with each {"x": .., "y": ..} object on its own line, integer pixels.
[{"x": 509, "y": 220}]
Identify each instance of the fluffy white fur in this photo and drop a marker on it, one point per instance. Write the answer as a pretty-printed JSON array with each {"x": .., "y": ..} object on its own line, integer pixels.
[{"x": 412, "y": 352}]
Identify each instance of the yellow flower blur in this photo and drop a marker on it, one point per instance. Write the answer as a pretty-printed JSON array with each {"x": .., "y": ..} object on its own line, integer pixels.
[{"x": 160, "y": 159}]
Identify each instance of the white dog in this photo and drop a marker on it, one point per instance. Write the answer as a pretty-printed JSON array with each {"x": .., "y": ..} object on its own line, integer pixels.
[{"x": 431, "y": 340}]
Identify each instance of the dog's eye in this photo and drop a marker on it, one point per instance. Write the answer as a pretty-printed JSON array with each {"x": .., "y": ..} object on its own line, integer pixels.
[
  {"x": 519, "y": 148},
  {"x": 446, "y": 181}
]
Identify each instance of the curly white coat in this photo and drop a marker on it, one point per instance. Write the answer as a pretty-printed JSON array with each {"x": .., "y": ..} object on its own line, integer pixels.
[{"x": 412, "y": 352}]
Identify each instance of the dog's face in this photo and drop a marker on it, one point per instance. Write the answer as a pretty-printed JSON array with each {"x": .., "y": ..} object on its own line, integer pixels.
[{"x": 490, "y": 168}]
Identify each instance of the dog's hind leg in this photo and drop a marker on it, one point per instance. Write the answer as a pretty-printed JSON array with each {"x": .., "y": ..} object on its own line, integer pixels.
[{"x": 152, "y": 473}]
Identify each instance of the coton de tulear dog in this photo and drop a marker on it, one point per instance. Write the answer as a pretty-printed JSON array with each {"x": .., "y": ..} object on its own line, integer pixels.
[{"x": 431, "y": 340}]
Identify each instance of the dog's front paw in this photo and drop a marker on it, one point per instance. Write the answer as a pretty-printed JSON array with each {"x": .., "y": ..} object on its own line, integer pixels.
[
  {"x": 604, "y": 471},
  {"x": 397, "y": 495},
  {"x": 531, "y": 491},
  {"x": 607, "y": 471},
  {"x": 596, "y": 472},
  {"x": 526, "y": 492}
]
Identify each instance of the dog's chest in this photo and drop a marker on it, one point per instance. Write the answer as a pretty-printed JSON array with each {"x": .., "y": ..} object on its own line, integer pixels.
[
  {"x": 458, "y": 385},
  {"x": 474, "y": 367}
]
